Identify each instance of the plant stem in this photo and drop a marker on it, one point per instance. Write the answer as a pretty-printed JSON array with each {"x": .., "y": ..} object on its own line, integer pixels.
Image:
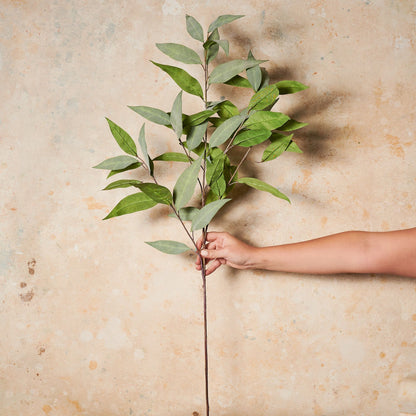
[
  {"x": 204, "y": 287},
  {"x": 241, "y": 162},
  {"x": 204, "y": 234}
]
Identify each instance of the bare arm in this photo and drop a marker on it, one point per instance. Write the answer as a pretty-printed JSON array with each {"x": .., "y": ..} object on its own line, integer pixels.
[{"x": 392, "y": 252}]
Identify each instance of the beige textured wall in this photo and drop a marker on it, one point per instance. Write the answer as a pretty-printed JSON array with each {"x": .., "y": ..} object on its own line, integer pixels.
[{"x": 94, "y": 322}]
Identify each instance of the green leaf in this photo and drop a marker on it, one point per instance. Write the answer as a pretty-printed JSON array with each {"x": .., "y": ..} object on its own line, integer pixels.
[
  {"x": 152, "y": 114},
  {"x": 122, "y": 138},
  {"x": 176, "y": 115},
  {"x": 290, "y": 87},
  {"x": 185, "y": 185},
  {"x": 264, "y": 98},
  {"x": 158, "y": 193},
  {"x": 131, "y": 167},
  {"x": 254, "y": 74},
  {"x": 195, "y": 135},
  {"x": 122, "y": 183},
  {"x": 169, "y": 246},
  {"x": 172, "y": 157},
  {"x": 132, "y": 203},
  {"x": 215, "y": 165},
  {"x": 225, "y": 72},
  {"x": 263, "y": 186},
  {"x": 265, "y": 79},
  {"x": 211, "y": 197},
  {"x": 291, "y": 125},
  {"x": 225, "y": 130},
  {"x": 183, "y": 79},
  {"x": 194, "y": 28},
  {"x": 293, "y": 147},
  {"x": 143, "y": 147},
  {"x": 225, "y": 45},
  {"x": 207, "y": 213},
  {"x": 179, "y": 53},
  {"x": 266, "y": 120},
  {"x": 227, "y": 109},
  {"x": 116, "y": 163},
  {"x": 222, "y": 20},
  {"x": 238, "y": 81},
  {"x": 279, "y": 144},
  {"x": 186, "y": 214},
  {"x": 198, "y": 118},
  {"x": 251, "y": 137},
  {"x": 219, "y": 186},
  {"x": 211, "y": 46}
]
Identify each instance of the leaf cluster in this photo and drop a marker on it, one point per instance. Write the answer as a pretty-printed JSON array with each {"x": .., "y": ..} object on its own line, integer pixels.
[{"x": 205, "y": 139}]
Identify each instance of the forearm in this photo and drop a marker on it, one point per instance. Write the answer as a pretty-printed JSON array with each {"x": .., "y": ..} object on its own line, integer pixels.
[
  {"x": 348, "y": 252},
  {"x": 392, "y": 252}
]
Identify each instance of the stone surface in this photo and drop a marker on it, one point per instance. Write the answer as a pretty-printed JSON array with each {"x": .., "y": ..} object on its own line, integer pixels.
[{"x": 95, "y": 322}]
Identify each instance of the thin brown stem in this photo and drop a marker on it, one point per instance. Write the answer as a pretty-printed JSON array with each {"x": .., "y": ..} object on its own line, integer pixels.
[{"x": 238, "y": 166}]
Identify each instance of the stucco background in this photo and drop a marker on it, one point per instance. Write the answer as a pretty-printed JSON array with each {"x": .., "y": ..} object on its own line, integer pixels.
[{"x": 94, "y": 322}]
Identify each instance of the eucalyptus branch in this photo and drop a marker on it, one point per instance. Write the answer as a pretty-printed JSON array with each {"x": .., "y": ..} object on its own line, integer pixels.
[{"x": 260, "y": 121}]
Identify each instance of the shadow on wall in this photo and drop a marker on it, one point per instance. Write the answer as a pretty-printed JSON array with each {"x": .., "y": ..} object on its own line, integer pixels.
[{"x": 316, "y": 138}]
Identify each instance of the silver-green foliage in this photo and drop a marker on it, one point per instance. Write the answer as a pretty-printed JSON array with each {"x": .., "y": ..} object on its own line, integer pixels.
[{"x": 207, "y": 139}]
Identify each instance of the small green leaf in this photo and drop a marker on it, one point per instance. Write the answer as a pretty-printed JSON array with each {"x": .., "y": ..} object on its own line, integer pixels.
[
  {"x": 290, "y": 87},
  {"x": 132, "y": 203},
  {"x": 225, "y": 130},
  {"x": 293, "y": 147},
  {"x": 279, "y": 144},
  {"x": 254, "y": 74},
  {"x": 183, "y": 79},
  {"x": 238, "y": 81},
  {"x": 263, "y": 186},
  {"x": 194, "y": 28},
  {"x": 291, "y": 125},
  {"x": 131, "y": 167},
  {"x": 176, "y": 115},
  {"x": 179, "y": 53},
  {"x": 225, "y": 45},
  {"x": 116, "y": 163},
  {"x": 169, "y": 246},
  {"x": 211, "y": 46},
  {"x": 172, "y": 157},
  {"x": 264, "y": 98},
  {"x": 207, "y": 213},
  {"x": 222, "y": 20},
  {"x": 123, "y": 139},
  {"x": 152, "y": 114},
  {"x": 227, "y": 109},
  {"x": 219, "y": 186},
  {"x": 251, "y": 137},
  {"x": 186, "y": 214},
  {"x": 228, "y": 70},
  {"x": 158, "y": 193},
  {"x": 266, "y": 120},
  {"x": 122, "y": 183},
  {"x": 195, "y": 135},
  {"x": 143, "y": 147},
  {"x": 215, "y": 165},
  {"x": 198, "y": 118},
  {"x": 265, "y": 79},
  {"x": 185, "y": 185}
]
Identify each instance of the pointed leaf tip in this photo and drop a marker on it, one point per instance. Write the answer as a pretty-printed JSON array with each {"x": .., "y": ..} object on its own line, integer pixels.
[{"x": 222, "y": 20}]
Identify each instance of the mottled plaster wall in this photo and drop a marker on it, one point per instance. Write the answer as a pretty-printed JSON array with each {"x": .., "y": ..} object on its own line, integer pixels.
[{"x": 94, "y": 322}]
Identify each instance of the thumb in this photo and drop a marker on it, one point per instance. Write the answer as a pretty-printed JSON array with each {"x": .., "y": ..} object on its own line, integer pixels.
[{"x": 212, "y": 254}]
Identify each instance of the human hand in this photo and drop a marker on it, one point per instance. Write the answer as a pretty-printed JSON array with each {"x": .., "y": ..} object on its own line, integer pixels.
[{"x": 223, "y": 248}]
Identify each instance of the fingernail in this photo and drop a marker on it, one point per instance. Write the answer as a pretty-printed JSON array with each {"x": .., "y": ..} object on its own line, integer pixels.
[{"x": 204, "y": 253}]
